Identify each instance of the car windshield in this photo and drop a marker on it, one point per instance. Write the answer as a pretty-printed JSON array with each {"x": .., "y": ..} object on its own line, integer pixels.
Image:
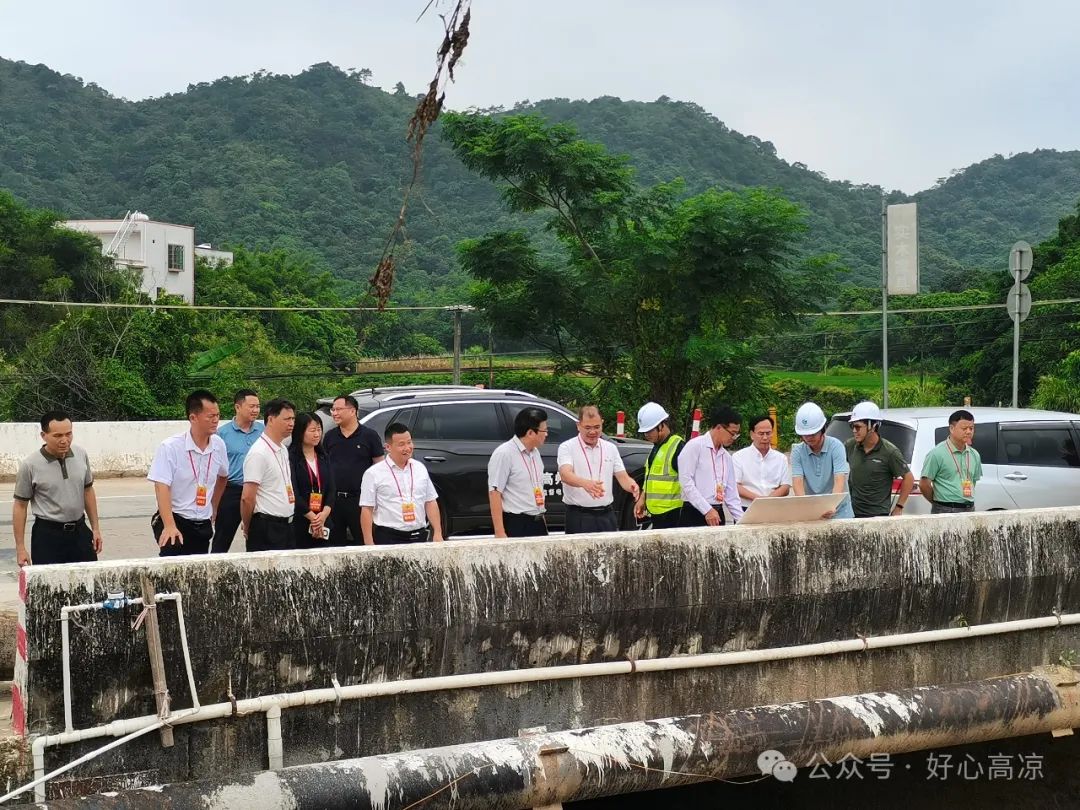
[{"x": 900, "y": 435}]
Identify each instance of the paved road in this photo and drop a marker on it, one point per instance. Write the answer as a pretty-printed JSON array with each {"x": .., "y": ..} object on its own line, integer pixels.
[{"x": 125, "y": 505}]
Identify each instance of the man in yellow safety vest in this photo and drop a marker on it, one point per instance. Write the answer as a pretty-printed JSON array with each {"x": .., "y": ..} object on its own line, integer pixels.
[{"x": 661, "y": 497}]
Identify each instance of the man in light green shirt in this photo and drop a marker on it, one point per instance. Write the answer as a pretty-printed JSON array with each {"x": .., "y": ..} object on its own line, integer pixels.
[{"x": 951, "y": 470}]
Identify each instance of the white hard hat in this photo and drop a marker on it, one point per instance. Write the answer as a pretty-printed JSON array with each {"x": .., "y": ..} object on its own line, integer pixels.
[
  {"x": 865, "y": 412},
  {"x": 809, "y": 419},
  {"x": 649, "y": 416}
]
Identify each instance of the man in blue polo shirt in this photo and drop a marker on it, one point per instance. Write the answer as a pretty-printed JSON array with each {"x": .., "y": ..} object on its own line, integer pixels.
[
  {"x": 239, "y": 435},
  {"x": 819, "y": 464}
]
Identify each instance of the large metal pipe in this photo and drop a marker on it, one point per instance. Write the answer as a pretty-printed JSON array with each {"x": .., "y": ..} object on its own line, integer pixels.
[{"x": 631, "y": 757}]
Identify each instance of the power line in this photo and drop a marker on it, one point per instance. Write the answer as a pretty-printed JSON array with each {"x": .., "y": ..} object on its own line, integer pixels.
[
  {"x": 958, "y": 308},
  {"x": 116, "y": 305}
]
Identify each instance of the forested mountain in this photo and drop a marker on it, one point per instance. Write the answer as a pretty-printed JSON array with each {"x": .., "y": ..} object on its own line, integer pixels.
[{"x": 317, "y": 162}]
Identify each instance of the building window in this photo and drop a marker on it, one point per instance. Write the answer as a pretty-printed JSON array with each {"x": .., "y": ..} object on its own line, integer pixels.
[{"x": 176, "y": 257}]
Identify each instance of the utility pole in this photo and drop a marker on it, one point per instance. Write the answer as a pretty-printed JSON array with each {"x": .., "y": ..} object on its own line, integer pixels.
[
  {"x": 457, "y": 310},
  {"x": 884, "y": 304}
]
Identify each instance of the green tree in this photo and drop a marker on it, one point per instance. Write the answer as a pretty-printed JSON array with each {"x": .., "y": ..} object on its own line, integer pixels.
[{"x": 647, "y": 286}]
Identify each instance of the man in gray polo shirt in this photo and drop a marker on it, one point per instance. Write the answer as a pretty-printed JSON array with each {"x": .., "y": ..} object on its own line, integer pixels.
[{"x": 56, "y": 482}]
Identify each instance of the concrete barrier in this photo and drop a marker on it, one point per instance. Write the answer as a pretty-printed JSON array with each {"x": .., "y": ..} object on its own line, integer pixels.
[
  {"x": 281, "y": 623},
  {"x": 115, "y": 448}
]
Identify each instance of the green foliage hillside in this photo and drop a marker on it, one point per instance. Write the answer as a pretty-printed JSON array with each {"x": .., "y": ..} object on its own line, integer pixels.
[{"x": 315, "y": 163}]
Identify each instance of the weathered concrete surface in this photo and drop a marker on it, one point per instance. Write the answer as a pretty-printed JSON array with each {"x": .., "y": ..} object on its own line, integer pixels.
[
  {"x": 551, "y": 768},
  {"x": 288, "y": 621},
  {"x": 114, "y": 448}
]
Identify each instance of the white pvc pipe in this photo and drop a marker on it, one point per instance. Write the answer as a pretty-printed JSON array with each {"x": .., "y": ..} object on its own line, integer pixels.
[
  {"x": 274, "y": 746},
  {"x": 65, "y": 634},
  {"x": 310, "y": 697}
]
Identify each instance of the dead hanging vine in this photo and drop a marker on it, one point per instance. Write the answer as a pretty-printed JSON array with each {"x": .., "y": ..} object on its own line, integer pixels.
[{"x": 456, "y": 37}]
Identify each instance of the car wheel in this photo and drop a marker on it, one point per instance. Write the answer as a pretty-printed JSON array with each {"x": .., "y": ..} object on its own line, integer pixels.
[{"x": 627, "y": 521}]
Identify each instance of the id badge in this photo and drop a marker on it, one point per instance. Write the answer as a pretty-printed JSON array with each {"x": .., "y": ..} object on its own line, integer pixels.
[
  {"x": 289, "y": 492},
  {"x": 538, "y": 496},
  {"x": 315, "y": 502},
  {"x": 968, "y": 489},
  {"x": 200, "y": 495},
  {"x": 408, "y": 512},
  {"x": 719, "y": 493}
]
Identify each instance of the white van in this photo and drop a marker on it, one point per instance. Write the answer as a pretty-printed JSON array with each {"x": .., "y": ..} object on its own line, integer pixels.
[{"x": 1029, "y": 457}]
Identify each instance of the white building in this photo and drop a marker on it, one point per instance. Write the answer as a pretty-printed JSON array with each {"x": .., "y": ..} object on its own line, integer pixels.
[
  {"x": 163, "y": 252},
  {"x": 216, "y": 258}
]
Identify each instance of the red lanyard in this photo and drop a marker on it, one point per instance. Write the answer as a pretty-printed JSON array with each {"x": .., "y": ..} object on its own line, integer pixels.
[
  {"x": 191, "y": 461},
  {"x": 718, "y": 480},
  {"x": 585, "y": 453},
  {"x": 530, "y": 462},
  {"x": 412, "y": 483},
  {"x": 314, "y": 476},
  {"x": 967, "y": 462},
  {"x": 277, "y": 459}
]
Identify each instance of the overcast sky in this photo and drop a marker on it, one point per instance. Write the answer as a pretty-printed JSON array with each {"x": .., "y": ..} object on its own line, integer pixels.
[{"x": 896, "y": 93}]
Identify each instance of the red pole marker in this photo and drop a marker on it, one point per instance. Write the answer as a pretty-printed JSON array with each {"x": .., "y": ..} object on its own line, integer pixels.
[
  {"x": 695, "y": 429},
  {"x": 620, "y": 425}
]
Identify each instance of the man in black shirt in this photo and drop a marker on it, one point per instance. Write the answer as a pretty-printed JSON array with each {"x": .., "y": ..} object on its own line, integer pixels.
[{"x": 351, "y": 448}]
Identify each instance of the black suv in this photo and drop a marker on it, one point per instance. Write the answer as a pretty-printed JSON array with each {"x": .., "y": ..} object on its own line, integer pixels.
[{"x": 455, "y": 430}]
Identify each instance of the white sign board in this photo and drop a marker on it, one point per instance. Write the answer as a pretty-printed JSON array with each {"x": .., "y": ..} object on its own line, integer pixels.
[
  {"x": 790, "y": 509},
  {"x": 902, "y": 237}
]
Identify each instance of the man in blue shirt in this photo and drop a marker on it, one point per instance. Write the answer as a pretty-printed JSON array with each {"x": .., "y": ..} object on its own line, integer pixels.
[
  {"x": 819, "y": 463},
  {"x": 239, "y": 435}
]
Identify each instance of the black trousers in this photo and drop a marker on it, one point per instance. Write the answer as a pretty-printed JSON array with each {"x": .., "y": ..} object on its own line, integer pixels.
[
  {"x": 345, "y": 524},
  {"x": 524, "y": 525},
  {"x": 270, "y": 533},
  {"x": 581, "y": 519},
  {"x": 52, "y": 543},
  {"x": 385, "y": 536},
  {"x": 690, "y": 516},
  {"x": 197, "y": 534},
  {"x": 939, "y": 508},
  {"x": 665, "y": 520},
  {"x": 228, "y": 519},
  {"x": 301, "y": 528}
]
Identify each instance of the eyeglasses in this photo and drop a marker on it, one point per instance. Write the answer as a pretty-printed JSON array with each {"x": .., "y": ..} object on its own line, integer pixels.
[
  {"x": 732, "y": 433},
  {"x": 858, "y": 426},
  {"x": 592, "y": 428}
]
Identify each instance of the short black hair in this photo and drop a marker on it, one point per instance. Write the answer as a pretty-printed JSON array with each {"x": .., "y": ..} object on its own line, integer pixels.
[
  {"x": 243, "y": 394},
  {"x": 55, "y": 415},
  {"x": 961, "y": 414},
  {"x": 195, "y": 400},
  {"x": 275, "y": 406},
  {"x": 724, "y": 415},
  {"x": 529, "y": 419},
  {"x": 350, "y": 400},
  {"x": 754, "y": 421},
  {"x": 393, "y": 429}
]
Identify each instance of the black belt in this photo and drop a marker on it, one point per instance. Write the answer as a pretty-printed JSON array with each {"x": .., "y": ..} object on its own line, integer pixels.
[
  {"x": 69, "y": 526},
  {"x": 342, "y": 494},
  {"x": 231, "y": 485},
  {"x": 596, "y": 510},
  {"x": 965, "y": 505},
  {"x": 404, "y": 534},
  {"x": 273, "y": 518},
  {"x": 527, "y": 517}
]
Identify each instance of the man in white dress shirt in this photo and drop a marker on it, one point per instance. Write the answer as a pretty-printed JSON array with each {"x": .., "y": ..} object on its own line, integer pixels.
[
  {"x": 516, "y": 478},
  {"x": 268, "y": 504},
  {"x": 587, "y": 466},
  {"x": 398, "y": 502},
  {"x": 761, "y": 470},
  {"x": 707, "y": 475},
  {"x": 189, "y": 471}
]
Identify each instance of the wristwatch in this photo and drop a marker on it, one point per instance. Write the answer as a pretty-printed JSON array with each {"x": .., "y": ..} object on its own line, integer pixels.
[{"x": 899, "y": 506}]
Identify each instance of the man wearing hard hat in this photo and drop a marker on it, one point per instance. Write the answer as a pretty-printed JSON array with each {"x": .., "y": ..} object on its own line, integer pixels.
[
  {"x": 661, "y": 497},
  {"x": 875, "y": 463},
  {"x": 819, "y": 464}
]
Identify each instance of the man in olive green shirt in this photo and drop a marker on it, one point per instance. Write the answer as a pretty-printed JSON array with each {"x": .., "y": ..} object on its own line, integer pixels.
[
  {"x": 951, "y": 470},
  {"x": 875, "y": 463}
]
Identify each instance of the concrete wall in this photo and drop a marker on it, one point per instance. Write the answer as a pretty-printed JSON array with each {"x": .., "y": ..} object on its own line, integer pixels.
[
  {"x": 278, "y": 622},
  {"x": 115, "y": 448}
]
